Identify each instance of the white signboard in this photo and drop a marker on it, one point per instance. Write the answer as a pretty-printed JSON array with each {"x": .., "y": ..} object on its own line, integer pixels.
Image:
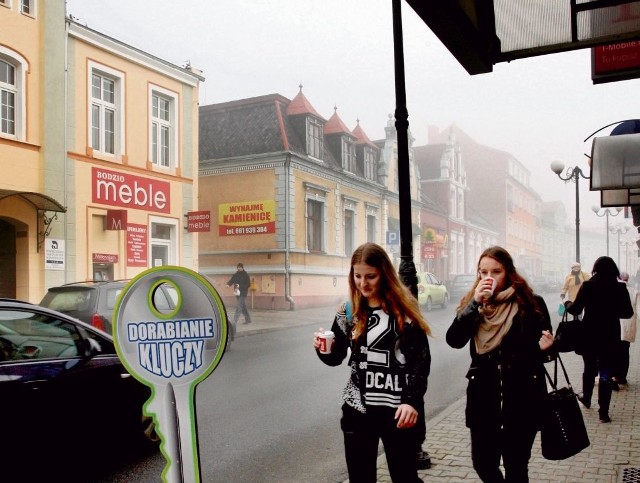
[{"x": 54, "y": 254}]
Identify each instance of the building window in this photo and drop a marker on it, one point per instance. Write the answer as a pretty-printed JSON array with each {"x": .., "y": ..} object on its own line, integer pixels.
[
  {"x": 315, "y": 225},
  {"x": 371, "y": 228},
  {"x": 28, "y": 7},
  {"x": 12, "y": 94},
  {"x": 348, "y": 155},
  {"x": 163, "y": 135},
  {"x": 163, "y": 242},
  {"x": 349, "y": 232},
  {"x": 369, "y": 164},
  {"x": 314, "y": 139},
  {"x": 106, "y": 111}
]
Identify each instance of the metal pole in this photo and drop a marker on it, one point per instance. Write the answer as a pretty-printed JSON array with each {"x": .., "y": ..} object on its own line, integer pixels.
[
  {"x": 577, "y": 176},
  {"x": 407, "y": 269},
  {"x": 607, "y": 231}
]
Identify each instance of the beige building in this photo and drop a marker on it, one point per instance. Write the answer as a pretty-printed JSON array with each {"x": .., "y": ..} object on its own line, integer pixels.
[
  {"x": 291, "y": 195},
  {"x": 99, "y": 154}
]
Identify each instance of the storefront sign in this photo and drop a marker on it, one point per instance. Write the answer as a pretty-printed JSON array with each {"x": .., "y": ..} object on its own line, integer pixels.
[
  {"x": 54, "y": 254},
  {"x": 116, "y": 220},
  {"x": 104, "y": 258},
  {"x": 615, "y": 62},
  {"x": 128, "y": 191},
  {"x": 198, "y": 221},
  {"x": 247, "y": 218},
  {"x": 136, "y": 245}
]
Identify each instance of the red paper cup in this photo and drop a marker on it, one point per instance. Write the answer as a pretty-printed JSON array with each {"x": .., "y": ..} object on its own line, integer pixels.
[{"x": 326, "y": 341}]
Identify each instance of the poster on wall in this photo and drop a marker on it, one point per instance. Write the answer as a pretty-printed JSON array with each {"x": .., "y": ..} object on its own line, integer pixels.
[
  {"x": 247, "y": 218},
  {"x": 54, "y": 254},
  {"x": 136, "y": 245}
]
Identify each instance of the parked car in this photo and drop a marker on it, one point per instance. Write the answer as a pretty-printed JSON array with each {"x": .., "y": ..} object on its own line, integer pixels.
[
  {"x": 66, "y": 397},
  {"x": 460, "y": 285},
  {"x": 431, "y": 291},
  {"x": 93, "y": 302}
]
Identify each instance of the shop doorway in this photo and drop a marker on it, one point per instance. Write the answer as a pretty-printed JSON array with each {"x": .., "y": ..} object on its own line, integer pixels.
[{"x": 7, "y": 260}]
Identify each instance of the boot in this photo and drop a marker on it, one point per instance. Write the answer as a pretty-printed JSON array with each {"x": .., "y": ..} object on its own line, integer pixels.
[
  {"x": 604, "y": 400},
  {"x": 587, "y": 390}
]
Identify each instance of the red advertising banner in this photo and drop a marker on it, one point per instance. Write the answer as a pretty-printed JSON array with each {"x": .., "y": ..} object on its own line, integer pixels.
[
  {"x": 104, "y": 258},
  {"x": 137, "y": 245},
  {"x": 198, "y": 221},
  {"x": 615, "y": 62},
  {"x": 247, "y": 218},
  {"x": 129, "y": 191}
]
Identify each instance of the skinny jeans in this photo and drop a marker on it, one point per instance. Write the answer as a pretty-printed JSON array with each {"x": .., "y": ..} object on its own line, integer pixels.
[
  {"x": 513, "y": 445},
  {"x": 362, "y": 434}
]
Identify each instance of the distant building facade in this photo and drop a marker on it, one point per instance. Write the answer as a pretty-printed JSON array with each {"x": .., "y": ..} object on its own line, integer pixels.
[{"x": 292, "y": 194}]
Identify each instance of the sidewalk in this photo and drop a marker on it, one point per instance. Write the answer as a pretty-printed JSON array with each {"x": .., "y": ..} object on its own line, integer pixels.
[{"x": 613, "y": 457}]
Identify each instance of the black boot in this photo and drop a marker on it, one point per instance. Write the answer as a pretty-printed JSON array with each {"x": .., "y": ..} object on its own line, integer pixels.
[
  {"x": 587, "y": 390},
  {"x": 604, "y": 400}
]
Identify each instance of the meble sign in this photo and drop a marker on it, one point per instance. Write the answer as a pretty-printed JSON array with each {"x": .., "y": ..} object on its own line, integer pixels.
[
  {"x": 129, "y": 191},
  {"x": 171, "y": 350}
]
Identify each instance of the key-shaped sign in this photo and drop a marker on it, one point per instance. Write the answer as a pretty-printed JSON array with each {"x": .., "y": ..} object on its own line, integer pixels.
[{"x": 170, "y": 332}]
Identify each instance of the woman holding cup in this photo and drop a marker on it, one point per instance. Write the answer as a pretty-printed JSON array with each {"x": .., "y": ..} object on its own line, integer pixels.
[
  {"x": 390, "y": 361},
  {"x": 508, "y": 329}
]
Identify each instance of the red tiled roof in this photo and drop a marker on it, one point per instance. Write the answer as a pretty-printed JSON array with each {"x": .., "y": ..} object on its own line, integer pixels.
[
  {"x": 361, "y": 136},
  {"x": 300, "y": 105},
  {"x": 335, "y": 125}
]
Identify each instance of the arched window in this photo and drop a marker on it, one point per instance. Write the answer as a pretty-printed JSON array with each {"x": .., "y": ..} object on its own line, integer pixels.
[{"x": 13, "y": 68}]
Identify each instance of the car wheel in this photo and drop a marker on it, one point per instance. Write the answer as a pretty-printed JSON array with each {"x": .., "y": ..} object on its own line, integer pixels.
[
  {"x": 428, "y": 305},
  {"x": 445, "y": 301}
]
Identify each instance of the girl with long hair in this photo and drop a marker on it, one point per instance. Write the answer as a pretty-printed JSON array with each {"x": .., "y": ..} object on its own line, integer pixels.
[
  {"x": 508, "y": 329},
  {"x": 390, "y": 361}
]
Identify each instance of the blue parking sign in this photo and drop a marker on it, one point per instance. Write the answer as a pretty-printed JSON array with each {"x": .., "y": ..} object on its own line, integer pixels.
[{"x": 393, "y": 238}]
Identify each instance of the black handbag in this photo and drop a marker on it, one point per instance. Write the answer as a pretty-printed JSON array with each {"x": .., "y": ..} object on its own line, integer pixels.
[
  {"x": 568, "y": 336},
  {"x": 563, "y": 432}
]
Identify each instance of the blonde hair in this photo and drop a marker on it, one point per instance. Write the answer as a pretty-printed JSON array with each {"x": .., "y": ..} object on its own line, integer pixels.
[{"x": 396, "y": 297}]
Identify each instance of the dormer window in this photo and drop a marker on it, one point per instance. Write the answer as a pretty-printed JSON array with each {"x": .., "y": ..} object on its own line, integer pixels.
[
  {"x": 348, "y": 155},
  {"x": 369, "y": 163},
  {"x": 314, "y": 138}
]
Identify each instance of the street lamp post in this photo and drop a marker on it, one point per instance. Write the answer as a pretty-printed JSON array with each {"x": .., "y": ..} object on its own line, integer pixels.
[
  {"x": 572, "y": 174},
  {"x": 607, "y": 212},
  {"x": 620, "y": 230}
]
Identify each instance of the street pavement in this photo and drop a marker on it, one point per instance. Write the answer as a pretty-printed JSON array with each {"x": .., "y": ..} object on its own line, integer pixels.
[{"x": 612, "y": 457}]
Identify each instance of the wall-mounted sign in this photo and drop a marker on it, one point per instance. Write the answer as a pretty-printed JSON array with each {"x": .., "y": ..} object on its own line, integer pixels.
[
  {"x": 116, "y": 220},
  {"x": 198, "y": 221},
  {"x": 54, "y": 254},
  {"x": 136, "y": 245},
  {"x": 615, "y": 62},
  {"x": 247, "y": 218},
  {"x": 129, "y": 191},
  {"x": 104, "y": 258},
  {"x": 393, "y": 238}
]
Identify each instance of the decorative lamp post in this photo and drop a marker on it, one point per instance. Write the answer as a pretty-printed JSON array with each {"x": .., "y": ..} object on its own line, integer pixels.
[
  {"x": 620, "y": 230},
  {"x": 572, "y": 174},
  {"x": 607, "y": 212}
]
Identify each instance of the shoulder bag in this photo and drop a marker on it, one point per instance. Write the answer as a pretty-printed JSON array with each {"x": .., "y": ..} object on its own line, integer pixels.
[
  {"x": 568, "y": 336},
  {"x": 563, "y": 433}
]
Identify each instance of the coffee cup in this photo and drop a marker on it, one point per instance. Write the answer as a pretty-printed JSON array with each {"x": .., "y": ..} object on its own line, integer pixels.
[
  {"x": 489, "y": 292},
  {"x": 326, "y": 341}
]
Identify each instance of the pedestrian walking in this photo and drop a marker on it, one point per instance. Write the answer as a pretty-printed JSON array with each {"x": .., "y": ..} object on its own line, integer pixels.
[
  {"x": 627, "y": 335},
  {"x": 605, "y": 301},
  {"x": 508, "y": 329},
  {"x": 240, "y": 282},
  {"x": 390, "y": 362},
  {"x": 573, "y": 281}
]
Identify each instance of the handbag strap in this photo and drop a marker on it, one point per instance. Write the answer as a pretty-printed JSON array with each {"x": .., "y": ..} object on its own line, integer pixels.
[{"x": 554, "y": 381}]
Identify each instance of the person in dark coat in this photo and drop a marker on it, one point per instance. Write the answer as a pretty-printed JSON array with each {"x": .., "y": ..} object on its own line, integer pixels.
[
  {"x": 241, "y": 283},
  {"x": 508, "y": 329},
  {"x": 605, "y": 300}
]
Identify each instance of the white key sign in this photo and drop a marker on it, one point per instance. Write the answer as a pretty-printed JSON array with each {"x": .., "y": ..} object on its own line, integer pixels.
[{"x": 170, "y": 332}]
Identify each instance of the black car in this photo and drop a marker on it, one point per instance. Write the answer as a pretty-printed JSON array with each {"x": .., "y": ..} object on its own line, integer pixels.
[
  {"x": 66, "y": 401},
  {"x": 460, "y": 285}
]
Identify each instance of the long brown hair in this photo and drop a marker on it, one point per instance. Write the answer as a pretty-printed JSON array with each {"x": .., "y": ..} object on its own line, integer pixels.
[
  {"x": 524, "y": 293},
  {"x": 396, "y": 297}
]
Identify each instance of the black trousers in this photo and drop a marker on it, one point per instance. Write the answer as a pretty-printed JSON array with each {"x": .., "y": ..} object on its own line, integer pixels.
[
  {"x": 362, "y": 434},
  {"x": 489, "y": 445},
  {"x": 242, "y": 309}
]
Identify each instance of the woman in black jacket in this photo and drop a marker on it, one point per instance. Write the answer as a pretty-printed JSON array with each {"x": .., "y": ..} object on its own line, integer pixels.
[
  {"x": 508, "y": 329},
  {"x": 605, "y": 300}
]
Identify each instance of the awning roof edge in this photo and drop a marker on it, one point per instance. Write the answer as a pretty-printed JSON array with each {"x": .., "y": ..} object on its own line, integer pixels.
[{"x": 37, "y": 200}]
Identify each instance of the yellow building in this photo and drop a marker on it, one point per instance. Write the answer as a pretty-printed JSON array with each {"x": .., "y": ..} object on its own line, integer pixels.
[{"x": 104, "y": 147}]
